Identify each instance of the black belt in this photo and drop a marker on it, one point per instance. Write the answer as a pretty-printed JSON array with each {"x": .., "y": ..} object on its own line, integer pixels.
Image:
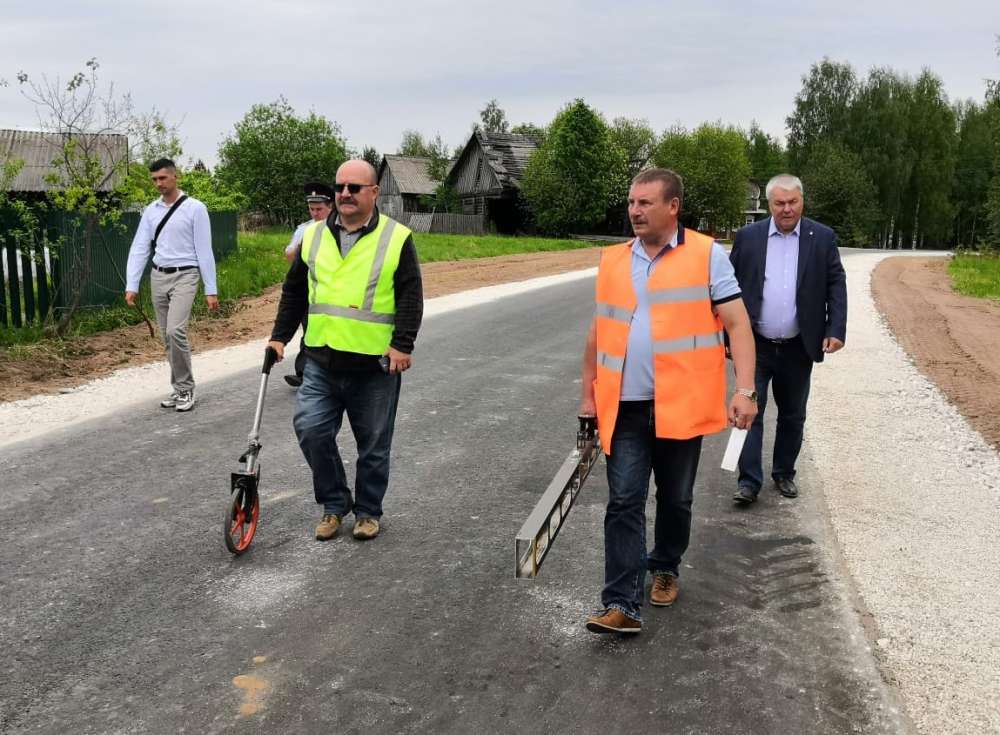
[
  {"x": 781, "y": 341},
  {"x": 174, "y": 269}
]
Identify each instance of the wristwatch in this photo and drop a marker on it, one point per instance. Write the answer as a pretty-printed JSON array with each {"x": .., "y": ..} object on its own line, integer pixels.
[{"x": 746, "y": 392}]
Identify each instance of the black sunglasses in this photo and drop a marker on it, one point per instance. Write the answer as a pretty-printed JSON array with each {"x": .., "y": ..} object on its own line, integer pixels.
[{"x": 353, "y": 188}]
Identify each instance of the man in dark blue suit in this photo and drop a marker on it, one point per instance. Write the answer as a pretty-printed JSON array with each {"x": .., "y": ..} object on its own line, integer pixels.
[{"x": 795, "y": 291}]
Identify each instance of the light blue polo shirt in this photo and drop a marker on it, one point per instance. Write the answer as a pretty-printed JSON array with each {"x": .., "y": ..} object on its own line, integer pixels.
[{"x": 637, "y": 376}]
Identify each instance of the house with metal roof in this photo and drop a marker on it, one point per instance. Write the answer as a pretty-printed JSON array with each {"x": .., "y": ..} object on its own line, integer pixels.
[
  {"x": 39, "y": 150},
  {"x": 486, "y": 178}
]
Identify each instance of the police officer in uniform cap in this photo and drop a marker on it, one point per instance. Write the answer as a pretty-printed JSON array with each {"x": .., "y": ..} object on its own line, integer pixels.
[{"x": 319, "y": 197}]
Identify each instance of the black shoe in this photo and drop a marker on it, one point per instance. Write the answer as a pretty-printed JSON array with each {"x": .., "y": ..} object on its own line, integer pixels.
[
  {"x": 294, "y": 380},
  {"x": 745, "y": 495},
  {"x": 786, "y": 486}
]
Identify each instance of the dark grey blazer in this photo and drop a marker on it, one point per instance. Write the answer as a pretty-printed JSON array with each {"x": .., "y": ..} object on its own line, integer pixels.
[{"x": 821, "y": 293}]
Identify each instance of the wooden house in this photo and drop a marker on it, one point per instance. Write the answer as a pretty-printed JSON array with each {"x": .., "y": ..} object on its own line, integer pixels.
[
  {"x": 403, "y": 181},
  {"x": 487, "y": 178}
]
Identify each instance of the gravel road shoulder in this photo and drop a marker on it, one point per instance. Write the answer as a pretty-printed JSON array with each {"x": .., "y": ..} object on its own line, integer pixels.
[{"x": 913, "y": 494}]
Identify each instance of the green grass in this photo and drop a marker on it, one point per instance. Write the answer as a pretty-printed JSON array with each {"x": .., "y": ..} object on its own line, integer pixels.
[
  {"x": 260, "y": 263},
  {"x": 432, "y": 248},
  {"x": 976, "y": 275}
]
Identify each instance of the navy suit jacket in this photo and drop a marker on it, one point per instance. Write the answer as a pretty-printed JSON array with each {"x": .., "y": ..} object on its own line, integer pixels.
[{"x": 821, "y": 287}]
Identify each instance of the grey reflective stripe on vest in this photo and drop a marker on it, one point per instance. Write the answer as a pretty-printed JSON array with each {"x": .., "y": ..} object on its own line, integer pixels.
[
  {"x": 317, "y": 239},
  {"x": 678, "y": 295},
  {"x": 614, "y": 312},
  {"x": 684, "y": 344},
  {"x": 611, "y": 362},
  {"x": 380, "y": 252},
  {"x": 350, "y": 312}
]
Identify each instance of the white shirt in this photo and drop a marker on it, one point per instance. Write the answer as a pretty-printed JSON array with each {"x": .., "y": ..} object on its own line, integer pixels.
[
  {"x": 296, "y": 242},
  {"x": 186, "y": 239}
]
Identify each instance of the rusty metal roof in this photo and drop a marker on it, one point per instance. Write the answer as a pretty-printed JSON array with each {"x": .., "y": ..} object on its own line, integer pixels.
[{"x": 38, "y": 149}]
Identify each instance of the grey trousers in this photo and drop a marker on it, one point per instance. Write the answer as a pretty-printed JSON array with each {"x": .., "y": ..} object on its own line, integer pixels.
[{"x": 173, "y": 296}]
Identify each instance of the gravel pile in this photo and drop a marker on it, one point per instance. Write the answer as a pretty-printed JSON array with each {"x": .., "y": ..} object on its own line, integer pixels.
[{"x": 914, "y": 497}]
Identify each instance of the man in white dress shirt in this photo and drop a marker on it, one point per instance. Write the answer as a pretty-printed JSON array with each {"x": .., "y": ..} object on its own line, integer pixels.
[{"x": 182, "y": 256}]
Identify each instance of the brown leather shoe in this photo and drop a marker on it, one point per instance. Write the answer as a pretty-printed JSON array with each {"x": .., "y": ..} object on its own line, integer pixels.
[
  {"x": 328, "y": 527},
  {"x": 613, "y": 621},
  {"x": 664, "y": 592},
  {"x": 366, "y": 528}
]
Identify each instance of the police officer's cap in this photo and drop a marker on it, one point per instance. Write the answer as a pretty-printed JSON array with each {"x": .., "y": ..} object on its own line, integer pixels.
[{"x": 318, "y": 192}]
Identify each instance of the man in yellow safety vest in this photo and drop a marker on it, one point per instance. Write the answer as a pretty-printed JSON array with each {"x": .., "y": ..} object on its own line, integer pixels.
[{"x": 358, "y": 278}]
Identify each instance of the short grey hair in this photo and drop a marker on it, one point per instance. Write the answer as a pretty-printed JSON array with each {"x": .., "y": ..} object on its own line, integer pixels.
[{"x": 783, "y": 181}]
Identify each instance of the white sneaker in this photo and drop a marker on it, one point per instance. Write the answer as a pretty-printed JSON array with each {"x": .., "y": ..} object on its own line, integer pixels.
[
  {"x": 170, "y": 402},
  {"x": 185, "y": 401}
]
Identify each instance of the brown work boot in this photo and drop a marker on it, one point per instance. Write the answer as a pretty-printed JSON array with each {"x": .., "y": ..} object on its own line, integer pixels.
[
  {"x": 366, "y": 528},
  {"x": 613, "y": 621},
  {"x": 664, "y": 592},
  {"x": 328, "y": 527}
]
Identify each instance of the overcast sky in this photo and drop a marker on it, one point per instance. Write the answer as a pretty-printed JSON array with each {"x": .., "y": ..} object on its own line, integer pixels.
[{"x": 378, "y": 68}]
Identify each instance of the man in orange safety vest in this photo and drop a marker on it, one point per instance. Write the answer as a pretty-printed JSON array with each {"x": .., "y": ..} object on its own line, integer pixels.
[{"x": 654, "y": 374}]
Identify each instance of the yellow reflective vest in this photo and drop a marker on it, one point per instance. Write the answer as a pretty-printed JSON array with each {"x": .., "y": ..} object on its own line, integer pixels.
[{"x": 352, "y": 300}]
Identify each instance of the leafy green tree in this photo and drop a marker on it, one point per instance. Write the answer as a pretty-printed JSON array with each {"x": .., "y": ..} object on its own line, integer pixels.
[
  {"x": 766, "y": 155},
  {"x": 822, "y": 109},
  {"x": 879, "y": 130},
  {"x": 839, "y": 193},
  {"x": 636, "y": 141},
  {"x": 273, "y": 151},
  {"x": 413, "y": 144},
  {"x": 372, "y": 156},
  {"x": 993, "y": 198},
  {"x": 535, "y": 131},
  {"x": 444, "y": 198},
  {"x": 569, "y": 181},
  {"x": 214, "y": 194},
  {"x": 974, "y": 170},
  {"x": 494, "y": 119},
  {"x": 437, "y": 151},
  {"x": 928, "y": 211},
  {"x": 713, "y": 162}
]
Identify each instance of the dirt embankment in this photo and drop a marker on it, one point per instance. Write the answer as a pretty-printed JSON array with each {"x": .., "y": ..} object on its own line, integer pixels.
[
  {"x": 86, "y": 358},
  {"x": 954, "y": 340}
]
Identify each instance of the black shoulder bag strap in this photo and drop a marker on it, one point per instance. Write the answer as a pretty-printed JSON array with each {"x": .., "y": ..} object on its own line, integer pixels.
[{"x": 159, "y": 227}]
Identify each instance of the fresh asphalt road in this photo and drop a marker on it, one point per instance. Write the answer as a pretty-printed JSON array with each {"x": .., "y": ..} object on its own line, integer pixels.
[{"x": 121, "y": 611}]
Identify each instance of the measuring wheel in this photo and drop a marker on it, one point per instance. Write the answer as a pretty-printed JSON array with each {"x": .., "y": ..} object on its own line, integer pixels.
[
  {"x": 243, "y": 510},
  {"x": 242, "y": 517}
]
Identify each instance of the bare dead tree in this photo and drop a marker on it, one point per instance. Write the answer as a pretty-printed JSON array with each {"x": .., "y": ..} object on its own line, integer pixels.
[{"x": 96, "y": 136}]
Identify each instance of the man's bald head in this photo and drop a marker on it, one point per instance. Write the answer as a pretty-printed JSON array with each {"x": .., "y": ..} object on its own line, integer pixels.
[
  {"x": 355, "y": 192},
  {"x": 359, "y": 171}
]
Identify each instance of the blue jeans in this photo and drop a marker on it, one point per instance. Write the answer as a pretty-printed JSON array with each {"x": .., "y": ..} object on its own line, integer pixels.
[
  {"x": 635, "y": 453},
  {"x": 787, "y": 368},
  {"x": 370, "y": 399}
]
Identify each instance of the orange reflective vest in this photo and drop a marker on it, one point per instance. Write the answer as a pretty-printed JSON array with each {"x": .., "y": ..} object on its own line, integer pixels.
[{"x": 688, "y": 354}]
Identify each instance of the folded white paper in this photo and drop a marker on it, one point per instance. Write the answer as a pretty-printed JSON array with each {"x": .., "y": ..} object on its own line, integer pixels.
[{"x": 733, "y": 449}]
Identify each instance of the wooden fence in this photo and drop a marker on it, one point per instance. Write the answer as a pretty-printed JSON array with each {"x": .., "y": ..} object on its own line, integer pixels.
[
  {"x": 34, "y": 281},
  {"x": 444, "y": 222}
]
